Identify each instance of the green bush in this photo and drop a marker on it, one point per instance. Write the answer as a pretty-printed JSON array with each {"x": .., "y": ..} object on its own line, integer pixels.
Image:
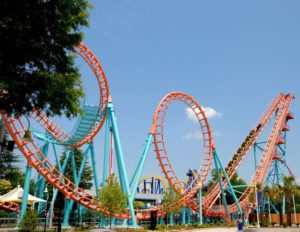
[{"x": 29, "y": 221}]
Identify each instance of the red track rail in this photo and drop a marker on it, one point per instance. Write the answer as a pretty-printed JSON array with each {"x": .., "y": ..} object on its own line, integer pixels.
[
  {"x": 242, "y": 152},
  {"x": 160, "y": 148},
  {"x": 97, "y": 69},
  {"x": 282, "y": 104}
]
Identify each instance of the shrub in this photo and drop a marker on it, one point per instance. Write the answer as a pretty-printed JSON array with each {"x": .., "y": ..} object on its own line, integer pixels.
[{"x": 29, "y": 221}]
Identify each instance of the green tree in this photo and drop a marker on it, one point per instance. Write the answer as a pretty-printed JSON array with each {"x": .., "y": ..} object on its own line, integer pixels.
[
  {"x": 9, "y": 170},
  {"x": 5, "y": 186},
  {"x": 29, "y": 221},
  {"x": 289, "y": 188},
  {"x": 112, "y": 198},
  {"x": 37, "y": 67},
  {"x": 170, "y": 199},
  {"x": 286, "y": 191}
]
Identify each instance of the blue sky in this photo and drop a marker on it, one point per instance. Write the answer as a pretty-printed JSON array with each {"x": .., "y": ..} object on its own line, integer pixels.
[{"x": 232, "y": 56}]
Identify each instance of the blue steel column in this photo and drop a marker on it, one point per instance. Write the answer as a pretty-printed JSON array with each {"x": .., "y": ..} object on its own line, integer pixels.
[
  {"x": 119, "y": 154},
  {"x": 55, "y": 191},
  {"x": 229, "y": 183},
  {"x": 42, "y": 181},
  {"x": 137, "y": 167},
  {"x": 183, "y": 215},
  {"x": 171, "y": 215},
  {"x": 221, "y": 184},
  {"x": 91, "y": 144},
  {"x": 188, "y": 210},
  {"x": 66, "y": 210},
  {"x": 73, "y": 165},
  {"x": 26, "y": 190},
  {"x": 255, "y": 159},
  {"x": 106, "y": 148},
  {"x": 142, "y": 164},
  {"x": 71, "y": 202}
]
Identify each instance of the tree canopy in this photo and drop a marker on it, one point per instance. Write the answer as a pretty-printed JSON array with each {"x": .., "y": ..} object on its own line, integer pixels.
[
  {"x": 112, "y": 198},
  {"x": 37, "y": 70},
  {"x": 170, "y": 199}
]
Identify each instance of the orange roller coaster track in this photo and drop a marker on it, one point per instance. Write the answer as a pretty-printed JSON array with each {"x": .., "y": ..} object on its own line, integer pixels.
[
  {"x": 281, "y": 106},
  {"x": 160, "y": 148},
  {"x": 43, "y": 166}
]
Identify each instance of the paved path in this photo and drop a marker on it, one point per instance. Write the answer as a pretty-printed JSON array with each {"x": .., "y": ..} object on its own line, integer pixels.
[
  {"x": 272, "y": 229},
  {"x": 230, "y": 229}
]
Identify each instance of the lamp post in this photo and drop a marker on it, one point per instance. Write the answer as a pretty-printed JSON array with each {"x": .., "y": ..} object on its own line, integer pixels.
[
  {"x": 46, "y": 210},
  {"x": 200, "y": 204}
]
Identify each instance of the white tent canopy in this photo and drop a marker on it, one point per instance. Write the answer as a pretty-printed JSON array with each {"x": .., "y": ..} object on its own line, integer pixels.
[{"x": 16, "y": 195}]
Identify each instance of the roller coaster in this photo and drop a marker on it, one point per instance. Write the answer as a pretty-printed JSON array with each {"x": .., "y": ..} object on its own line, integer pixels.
[{"x": 94, "y": 119}]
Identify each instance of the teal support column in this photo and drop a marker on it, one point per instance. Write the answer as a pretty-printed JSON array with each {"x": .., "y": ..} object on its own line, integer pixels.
[
  {"x": 228, "y": 182},
  {"x": 55, "y": 191},
  {"x": 188, "y": 215},
  {"x": 221, "y": 184},
  {"x": 142, "y": 164},
  {"x": 255, "y": 159},
  {"x": 171, "y": 215},
  {"x": 56, "y": 157},
  {"x": 106, "y": 157},
  {"x": 119, "y": 154},
  {"x": 106, "y": 148},
  {"x": 161, "y": 220},
  {"x": 121, "y": 174},
  {"x": 91, "y": 144},
  {"x": 80, "y": 207},
  {"x": 73, "y": 165},
  {"x": 183, "y": 215},
  {"x": 26, "y": 190},
  {"x": 41, "y": 180},
  {"x": 200, "y": 206},
  {"x": 66, "y": 210}
]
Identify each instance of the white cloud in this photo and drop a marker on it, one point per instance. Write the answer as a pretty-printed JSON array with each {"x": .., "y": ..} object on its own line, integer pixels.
[
  {"x": 217, "y": 133},
  {"x": 197, "y": 135},
  {"x": 298, "y": 180},
  {"x": 209, "y": 113}
]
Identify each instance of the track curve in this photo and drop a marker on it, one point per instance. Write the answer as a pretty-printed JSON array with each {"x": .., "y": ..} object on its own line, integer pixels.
[
  {"x": 57, "y": 133},
  {"x": 160, "y": 148}
]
